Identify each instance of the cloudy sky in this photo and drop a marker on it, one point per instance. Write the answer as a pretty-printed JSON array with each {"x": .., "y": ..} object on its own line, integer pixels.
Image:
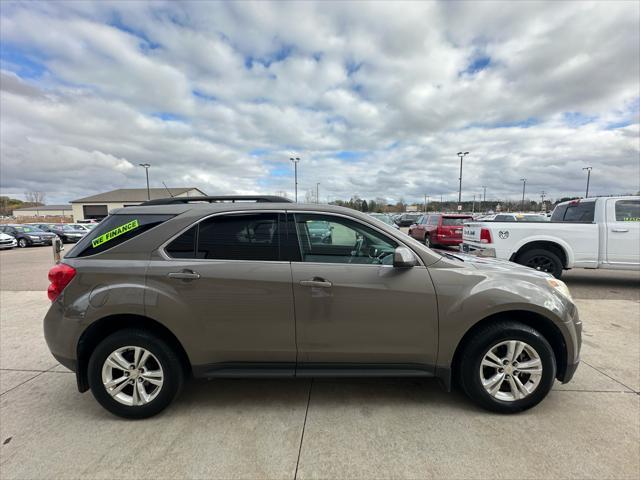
[{"x": 376, "y": 98}]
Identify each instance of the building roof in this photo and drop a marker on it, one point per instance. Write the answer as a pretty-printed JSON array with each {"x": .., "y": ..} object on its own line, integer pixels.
[
  {"x": 135, "y": 195},
  {"x": 43, "y": 207}
]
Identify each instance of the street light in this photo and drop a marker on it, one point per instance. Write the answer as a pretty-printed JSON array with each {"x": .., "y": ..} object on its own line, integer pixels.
[
  {"x": 542, "y": 195},
  {"x": 295, "y": 161},
  {"x": 588, "y": 169},
  {"x": 318, "y": 192},
  {"x": 484, "y": 197},
  {"x": 524, "y": 186},
  {"x": 461, "y": 155},
  {"x": 146, "y": 170}
]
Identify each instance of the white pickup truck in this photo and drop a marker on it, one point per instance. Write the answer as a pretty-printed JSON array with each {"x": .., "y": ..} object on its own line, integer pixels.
[{"x": 602, "y": 232}]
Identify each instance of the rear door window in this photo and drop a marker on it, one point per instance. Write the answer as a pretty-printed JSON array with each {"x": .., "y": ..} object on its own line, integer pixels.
[
  {"x": 433, "y": 220},
  {"x": 628, "y": 211},
  {"x": 114, "y": 230},
  {"x": 254, "y": 236}
]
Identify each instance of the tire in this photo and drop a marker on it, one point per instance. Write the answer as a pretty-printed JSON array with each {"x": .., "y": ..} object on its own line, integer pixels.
[
  {"x": 161, "y": 355},
  {"x": 493, "y": 337},
  {"x": 543, "y": 260},
  {"x": 23, "y": 243},
  {"x": 427, "y": 241}
]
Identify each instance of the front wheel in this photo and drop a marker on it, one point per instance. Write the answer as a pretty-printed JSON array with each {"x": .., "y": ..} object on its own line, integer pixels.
[
  {"x": 23, "y": 243},
  {"x": 507, "y": 367},
  {"x": 427, "y": 241},
  {"x": 134, "y": 374},
  {"x": 543, "y": 260}
]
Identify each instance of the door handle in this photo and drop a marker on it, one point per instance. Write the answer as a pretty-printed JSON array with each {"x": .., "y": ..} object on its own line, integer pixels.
[
  {"x": 316, "y": 282},
  {"x": 184, "y": 275},
  {"x": 620, "y": 230}
]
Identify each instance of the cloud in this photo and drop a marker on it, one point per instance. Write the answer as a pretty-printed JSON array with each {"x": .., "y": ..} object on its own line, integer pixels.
[{"x": 376, "y": 98}]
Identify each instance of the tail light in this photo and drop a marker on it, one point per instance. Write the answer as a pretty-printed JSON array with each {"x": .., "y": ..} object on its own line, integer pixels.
[
  {"x": 59, "y": 276},
  {"x": 485, "y": 236}
]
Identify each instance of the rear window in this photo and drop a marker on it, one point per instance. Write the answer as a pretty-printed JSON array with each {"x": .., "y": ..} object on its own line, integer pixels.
[
  {"x": 114, "y": 230},
  {"x": 453, "y": 221}
]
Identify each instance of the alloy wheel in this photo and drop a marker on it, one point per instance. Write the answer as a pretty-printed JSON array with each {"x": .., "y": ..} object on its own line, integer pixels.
[
  {"x": 541, "y": 263},
  {"x": 22, "y": 243},
  {"x": 511, "y": 370},
  {"x": 132, "y": 375}
]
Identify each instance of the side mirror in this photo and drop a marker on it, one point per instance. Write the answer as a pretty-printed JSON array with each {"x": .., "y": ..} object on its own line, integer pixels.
[{"x": 404, "y": 258}]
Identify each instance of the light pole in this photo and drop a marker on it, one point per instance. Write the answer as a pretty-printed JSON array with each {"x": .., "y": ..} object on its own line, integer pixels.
[
  {"x": 524, "y": 186},
  {"x": 588, "y": 169},
  {"x": 542, "y": 195},
  {"x": 461, "y": 155},
  {"x": 484, "y": 196},
  {"x": 146, "y": 170},
  {"x": 295, "y": 161},
  {"x": 473, "y": 205},
  {"x": 318, "y": 192}
]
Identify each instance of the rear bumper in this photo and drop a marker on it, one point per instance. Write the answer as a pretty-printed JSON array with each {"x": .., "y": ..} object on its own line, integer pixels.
[
  {"x": 477, "y": 250},
  {"x": 448, "y": 241}
]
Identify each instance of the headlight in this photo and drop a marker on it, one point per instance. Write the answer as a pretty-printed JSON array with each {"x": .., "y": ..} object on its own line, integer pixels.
[
  {"x": 35, "y": 237},
  {"x": 560, "y": 287}
]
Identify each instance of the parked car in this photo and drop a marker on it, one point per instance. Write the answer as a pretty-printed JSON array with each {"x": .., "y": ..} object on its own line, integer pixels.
[
  {"x": 599, "y": 232},
  {"x": 320, "y": 232},
  {"x": 407, "y": 219},
  {"x": 439, "y": 229},
  {"x": 28, "y": 235},
  {"x": 66, "y": 232},
  {"x": 383, "y": 217},
  {"x": 86, "y": 227},
  {"x": 177, "y": 287},
  {"x": 7, "y": 241}
]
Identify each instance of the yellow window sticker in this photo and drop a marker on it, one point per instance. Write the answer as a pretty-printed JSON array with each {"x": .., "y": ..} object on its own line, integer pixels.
[{"x": 116, "y": 232}]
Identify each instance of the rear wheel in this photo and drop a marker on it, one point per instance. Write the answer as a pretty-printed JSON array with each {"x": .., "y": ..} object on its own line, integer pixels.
[
  {"x": 543, "y": 260},
  {"x": 507, "y": 367},
  {"x": 134, "y": 374}
]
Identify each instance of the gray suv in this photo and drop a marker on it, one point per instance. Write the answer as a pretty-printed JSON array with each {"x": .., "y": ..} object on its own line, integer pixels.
[{"x": 219, "y": 287}]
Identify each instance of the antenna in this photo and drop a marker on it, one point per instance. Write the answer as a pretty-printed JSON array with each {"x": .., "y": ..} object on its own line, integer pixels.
[{"x": 168, "y": 191}]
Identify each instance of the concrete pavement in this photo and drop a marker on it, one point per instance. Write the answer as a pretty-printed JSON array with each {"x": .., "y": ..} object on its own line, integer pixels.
[{"x": 347, "y": 428}]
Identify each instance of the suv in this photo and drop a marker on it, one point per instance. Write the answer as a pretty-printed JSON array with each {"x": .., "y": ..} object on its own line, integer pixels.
[
  {"x": 407, "y": 219},
  {"x": 439, "y": 229},
  {"x": 183, "y": 287}
]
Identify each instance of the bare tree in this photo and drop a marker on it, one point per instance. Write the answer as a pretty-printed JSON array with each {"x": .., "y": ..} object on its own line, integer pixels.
[{"x": 36, "y": 198}]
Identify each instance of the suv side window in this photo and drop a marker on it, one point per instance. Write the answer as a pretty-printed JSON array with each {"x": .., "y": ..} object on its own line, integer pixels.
[
  {"x": 253, "y": 236},
  {"x": 434, "y": 220},
  {"x": 344, "y": 241},
  {"x": 628, "y": 211}
]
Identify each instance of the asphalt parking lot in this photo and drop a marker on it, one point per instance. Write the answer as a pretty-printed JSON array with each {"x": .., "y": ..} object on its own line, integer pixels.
[{"x": 361, "y": 428}]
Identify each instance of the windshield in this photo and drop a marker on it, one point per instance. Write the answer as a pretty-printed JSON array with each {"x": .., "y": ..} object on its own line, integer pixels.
[{"x": 531, "y": 218}]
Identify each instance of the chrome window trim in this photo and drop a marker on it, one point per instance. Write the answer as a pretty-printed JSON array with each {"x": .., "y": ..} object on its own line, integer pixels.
[
  {"x": 166, "y": 256},
  {"x": 369, "y": 225}
]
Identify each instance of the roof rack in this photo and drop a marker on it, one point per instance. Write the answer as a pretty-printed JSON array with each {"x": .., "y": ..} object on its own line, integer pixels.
[{"x": 219, "y": 199}]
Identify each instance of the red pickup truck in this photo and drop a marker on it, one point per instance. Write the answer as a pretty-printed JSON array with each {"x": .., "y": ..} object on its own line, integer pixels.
[{"x": 439, "y": 229}]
